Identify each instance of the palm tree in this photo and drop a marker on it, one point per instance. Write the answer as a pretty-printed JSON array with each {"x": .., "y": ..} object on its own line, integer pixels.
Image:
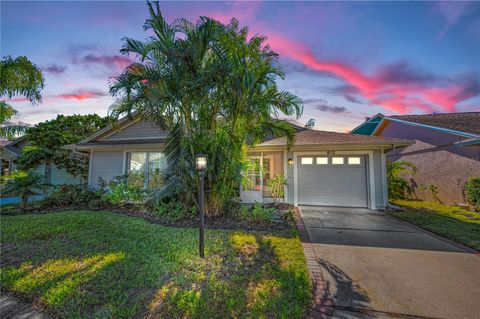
[
  {"x": 213, "y": 89},
  {"x": 396, "y": 183},
  {"x": 24, "y": 184},
  {"x": 17, "y": 77}
]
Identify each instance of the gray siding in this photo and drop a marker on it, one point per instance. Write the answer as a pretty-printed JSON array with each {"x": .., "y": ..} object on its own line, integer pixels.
[
  {"x": 60, "y": 176},
  {"x": 105, "y": 165},
  {"x": 141, "y": 129},
  {"x": 290, "y": 187}
]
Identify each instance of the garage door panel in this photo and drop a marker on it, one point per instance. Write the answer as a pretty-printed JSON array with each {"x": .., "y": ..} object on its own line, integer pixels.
[{"x": 333, "y": 185}]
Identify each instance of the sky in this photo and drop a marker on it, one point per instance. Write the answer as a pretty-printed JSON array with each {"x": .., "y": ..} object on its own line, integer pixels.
[{"x": 345, "y": 60}]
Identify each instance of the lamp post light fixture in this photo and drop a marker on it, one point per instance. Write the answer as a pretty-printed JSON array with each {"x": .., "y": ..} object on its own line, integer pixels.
[
  {"x": 201, "y": 165},
  {"x": 290, "y": 161}
]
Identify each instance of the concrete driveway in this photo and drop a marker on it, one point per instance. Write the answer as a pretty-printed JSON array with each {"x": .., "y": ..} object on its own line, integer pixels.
[{"x": 378, "y": 267}]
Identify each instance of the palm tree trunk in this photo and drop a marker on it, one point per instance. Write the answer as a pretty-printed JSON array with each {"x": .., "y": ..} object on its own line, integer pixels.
[{"x": 24, "y": 201}]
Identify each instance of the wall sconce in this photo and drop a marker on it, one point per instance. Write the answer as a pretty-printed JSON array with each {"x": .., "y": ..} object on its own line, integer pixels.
[{"x": 290, "y": 161}]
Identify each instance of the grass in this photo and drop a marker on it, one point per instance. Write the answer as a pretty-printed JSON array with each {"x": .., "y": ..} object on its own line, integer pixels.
[
  {"x": 451, "y": 222},
  {"x": 100, "y": 264}
]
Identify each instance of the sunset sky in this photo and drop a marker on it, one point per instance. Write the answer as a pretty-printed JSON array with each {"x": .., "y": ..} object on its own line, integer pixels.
[{"x": 345, "y": 60}]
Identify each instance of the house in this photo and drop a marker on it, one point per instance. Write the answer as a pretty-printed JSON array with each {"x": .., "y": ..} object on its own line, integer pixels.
[
  {"x": 9, "y": 151},
  {"x": 446, "y": 152},
  {"x": 322, "y": 168}
]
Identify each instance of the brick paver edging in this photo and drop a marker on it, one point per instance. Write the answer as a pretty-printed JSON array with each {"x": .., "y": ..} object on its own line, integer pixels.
[{"x": 322, "y": 303}]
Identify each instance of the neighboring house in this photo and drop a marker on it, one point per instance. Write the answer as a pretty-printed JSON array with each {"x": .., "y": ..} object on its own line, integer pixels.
[
  {"x": 322, "y": 168},
  {"x": 446, "y": 152},
  {"x": 9, "y": 151}
]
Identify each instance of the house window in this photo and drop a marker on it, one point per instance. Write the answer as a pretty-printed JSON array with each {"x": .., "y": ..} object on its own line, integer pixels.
[
  {"x": 337, "y": 160},
  {"x": 146, "y": 169},
  {"x": 353, "y": 160},
  {"x": 307, "y": 160},
  {"x": 322, "y": 160},
  {"x": 253, "y": 177}
]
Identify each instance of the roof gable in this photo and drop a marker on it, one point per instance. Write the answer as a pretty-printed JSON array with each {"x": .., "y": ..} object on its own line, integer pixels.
[
  {"x": 128, "y": 128},
  {"x": 465, "y": 124}
]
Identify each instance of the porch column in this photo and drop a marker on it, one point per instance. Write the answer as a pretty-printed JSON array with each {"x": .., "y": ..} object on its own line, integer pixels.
[{"x": 261, "y": 176}]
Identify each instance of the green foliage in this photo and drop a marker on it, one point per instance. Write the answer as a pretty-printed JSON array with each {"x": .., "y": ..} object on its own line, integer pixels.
[
  {"x": 472, "y": 191},
  {"x": 119, "y": 191},
  {"x": 24, "y": 184},
  {"x": 396, "y": 184},
  {"x": 104, "y": 265},
  {"x": 203, "y": 82},
  {"x": 48, "y": 138},
  {"x": 256, "y": 213},
  {"x": 75, "y": 196},
  {"x": 449, "y": 221},
  {"x": 434, "y": 191},
  {"x": 20, "y": 77},
  {"x": 277, "y": 185},
  {"x": 17, "y": 77},
  {"x": 174, "y": 211}
]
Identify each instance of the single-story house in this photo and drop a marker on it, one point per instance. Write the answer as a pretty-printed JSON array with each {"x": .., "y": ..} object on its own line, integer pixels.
[
  {"x": 11, "y": 150},
  {"x": 322, "y": 168},
  {"x": 446, "y": 152}
]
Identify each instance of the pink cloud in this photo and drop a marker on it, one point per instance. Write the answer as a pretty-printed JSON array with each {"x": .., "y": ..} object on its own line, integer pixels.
[
  {"x": 80, "y": 95},
  {"x": 116, "y": 62},
  {"x": 396, "y": 87}
]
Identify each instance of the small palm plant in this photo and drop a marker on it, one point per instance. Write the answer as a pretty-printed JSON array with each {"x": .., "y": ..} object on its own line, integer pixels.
[
  {"x": 24, "y": 184},
  {"x": 396, "y": 183}
]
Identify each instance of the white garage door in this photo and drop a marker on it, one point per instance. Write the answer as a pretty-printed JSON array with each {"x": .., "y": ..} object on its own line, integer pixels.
[{"x": 332, "y": 181}]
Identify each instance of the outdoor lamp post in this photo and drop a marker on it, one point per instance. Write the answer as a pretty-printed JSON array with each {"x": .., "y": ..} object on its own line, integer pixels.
[{"x": 201, "y": 165}]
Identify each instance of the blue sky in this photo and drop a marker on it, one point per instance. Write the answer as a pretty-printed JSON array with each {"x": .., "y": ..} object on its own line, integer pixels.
[{"x": 346, "y": 60}]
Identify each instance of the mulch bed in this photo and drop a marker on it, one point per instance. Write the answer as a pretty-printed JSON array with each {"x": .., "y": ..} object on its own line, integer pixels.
[{"x": 221, "y": 222}]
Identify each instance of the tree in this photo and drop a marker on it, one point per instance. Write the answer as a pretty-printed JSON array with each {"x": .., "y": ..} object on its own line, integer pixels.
[
  {"x": 396, "y": 183},
  {"x": 213, "y": 89},
  {"x": 48, "y": 138},
  {"x": 24, "y": 184},
  {"x": 17, "y": 77}
]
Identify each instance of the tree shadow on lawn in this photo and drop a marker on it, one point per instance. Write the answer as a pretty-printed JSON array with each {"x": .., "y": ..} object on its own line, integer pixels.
[
  {"x": 256, "y": 279},
  {"x": 123, "y": 272}
]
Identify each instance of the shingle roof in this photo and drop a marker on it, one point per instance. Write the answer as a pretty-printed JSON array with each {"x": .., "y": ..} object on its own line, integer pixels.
[
  {"x": 314, "y": 137},
  {"x": 468, "y": 122},
  {"x": 125, "y": 142}
]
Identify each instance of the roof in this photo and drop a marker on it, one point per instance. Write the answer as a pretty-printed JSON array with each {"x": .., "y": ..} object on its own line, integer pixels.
[
  {"x": 123, "y": 142},
  {"x": 11, "y": 146},
  {"x": 465, "y": 122},
  {"x": 314, "y": 137}
]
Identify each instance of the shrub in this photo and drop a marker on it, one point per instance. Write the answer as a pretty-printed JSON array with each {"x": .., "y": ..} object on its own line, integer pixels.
[
  {"x": 277, "y": 186},
  {"x": 396, "y": 184},
  {"x": 78, "y": 196},
  {"x": 173, "y": 211},
  {"x": 119, "y": 191},
  {"x": 256, "y": 213},
  {"x": 472, "y": 191},
  {"x": 24, "y": 184},
  {"x": 289, "y": 217}
]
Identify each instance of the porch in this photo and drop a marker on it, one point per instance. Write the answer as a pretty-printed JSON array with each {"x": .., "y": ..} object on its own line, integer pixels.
[{"x": 264, "y": 166}]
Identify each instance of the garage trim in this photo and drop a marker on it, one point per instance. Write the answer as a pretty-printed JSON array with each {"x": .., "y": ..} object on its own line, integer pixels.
[{"x": 371, "y": 175}]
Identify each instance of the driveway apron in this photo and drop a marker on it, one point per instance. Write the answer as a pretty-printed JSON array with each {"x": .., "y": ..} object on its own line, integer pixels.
[{"x": 376, "y": 266}]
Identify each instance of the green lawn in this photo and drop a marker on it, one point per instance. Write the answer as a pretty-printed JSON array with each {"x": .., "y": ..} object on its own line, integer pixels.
[
  {"x": 101, "y": 264},
  {"x": 451, "y": 222}
]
